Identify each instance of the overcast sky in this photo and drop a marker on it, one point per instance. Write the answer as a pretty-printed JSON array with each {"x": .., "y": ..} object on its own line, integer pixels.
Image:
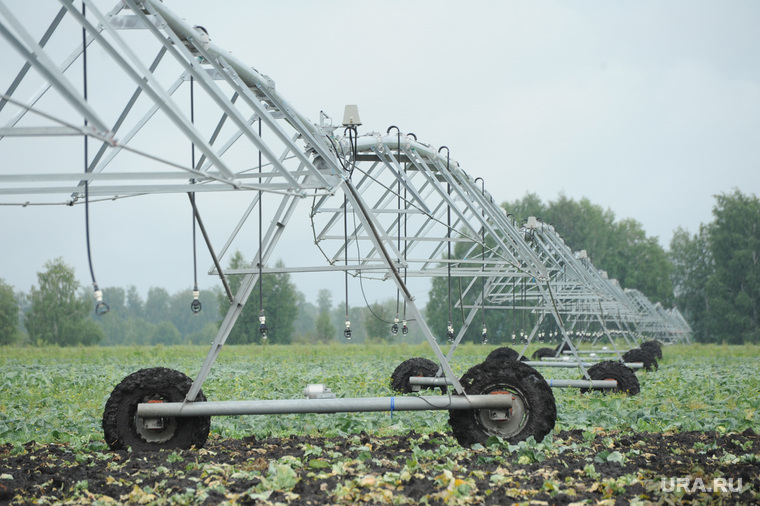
[{"x": 648, "y": 108}]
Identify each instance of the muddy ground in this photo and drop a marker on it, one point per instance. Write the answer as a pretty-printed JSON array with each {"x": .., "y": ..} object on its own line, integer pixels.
[{"x": 574, "y": 467}]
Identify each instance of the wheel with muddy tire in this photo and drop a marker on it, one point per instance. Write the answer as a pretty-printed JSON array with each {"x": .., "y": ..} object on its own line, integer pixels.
[
  {"x": 503, "y": 353},
  {"x": 641, "y": 355},
  {"x": 543, "y": 353},
  {"x": 626, "y": 379},
  {"x": 416, "y": 366},
  {"x": 122, "y": 427},
  {"x": 654, "y": 346},
  {"x": 533, "y": 411}
]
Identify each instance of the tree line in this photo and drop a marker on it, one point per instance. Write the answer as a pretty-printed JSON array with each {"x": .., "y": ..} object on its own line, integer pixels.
[
  {"x": 59, "y": 311},
  {"x": 621, "y": 248},
  {"x": 716, "y": 271},
  {"x": 712, "y": 276}
]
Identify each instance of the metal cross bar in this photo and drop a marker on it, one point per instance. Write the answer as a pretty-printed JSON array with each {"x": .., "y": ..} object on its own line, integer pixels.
[{"x": 328, "y": 405}]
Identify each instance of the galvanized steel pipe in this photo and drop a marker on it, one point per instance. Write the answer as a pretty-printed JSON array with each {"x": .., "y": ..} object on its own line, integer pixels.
[
  {"x": 558, "y": 383},
  {"x": 335, "y": 405}
]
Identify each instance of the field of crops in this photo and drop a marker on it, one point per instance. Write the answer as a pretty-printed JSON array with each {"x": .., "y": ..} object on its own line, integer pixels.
[{"x": 699, "y": 409}]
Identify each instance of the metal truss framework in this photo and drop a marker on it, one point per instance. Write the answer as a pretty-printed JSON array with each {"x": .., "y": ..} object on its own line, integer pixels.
[{"x": 381, "y": 205}]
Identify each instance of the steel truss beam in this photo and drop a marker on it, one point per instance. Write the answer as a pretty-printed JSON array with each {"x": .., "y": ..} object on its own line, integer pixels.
[
  {"x": 253, "y": 120},
  {"x": 380, "y": 205}
]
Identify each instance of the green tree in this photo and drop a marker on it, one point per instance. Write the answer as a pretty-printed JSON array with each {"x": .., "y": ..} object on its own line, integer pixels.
[
  {"x": 377, "y": 320},
  {"x": 125, "y": 324},
  {"x": 165, "y": 333},
  {"x": 437, "y": 309},
  {"x": 324, "y": 328},
  {"x": 58, "y": 313},
  {"x": 134, "y": 304},
  {"x": 157, "y": 305},
  {"x": 620, "y": 248},
  {"x": 279, "y": 305},
  {"x": 692, "y": 264},
  {"x": 205, "y": 335},
  {"x": 734, "y": 286},
  {"x": 584, "y": 225},
  {"x": 117, "y": 301},
  {"x": 638, "y": 261},
  {"x": 136, "y": 331},
  {"x": 303, "y": 327},
  {"x": 521, "y": 209},
  {"x": 9, "y": 311},
  {"x": 182, "y": 316},
  {"x": 500, "y": 322}
]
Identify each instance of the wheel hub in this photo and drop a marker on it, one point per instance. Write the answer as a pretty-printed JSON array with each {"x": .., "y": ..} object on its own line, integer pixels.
[
  {"x": 500, "y": 415},
  {"x": 155, "y": 430},
  {"x": 504, "y": 422}
]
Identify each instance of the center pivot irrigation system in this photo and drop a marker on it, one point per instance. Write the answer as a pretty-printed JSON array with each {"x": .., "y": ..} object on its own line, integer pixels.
[{"x": 189, "y": 118}]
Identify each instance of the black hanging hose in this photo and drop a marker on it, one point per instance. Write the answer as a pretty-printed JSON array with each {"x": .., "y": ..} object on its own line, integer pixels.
[
  {"x": 404, "y": 328},
  {"x": 352, "y": 140},
  {"x": 514, "y": 309},
  {"x": 450, "y": 326},
  {"x": 524, "y": 334},
  {"x": 483, "y": 260},
  {"x": 101, "y": 307},
  {"x": 347, "y": 330},
  {"x": 195, "y": 305},
  {"x": 394, "y": 326},
  {"x": 263, "y": 329}
]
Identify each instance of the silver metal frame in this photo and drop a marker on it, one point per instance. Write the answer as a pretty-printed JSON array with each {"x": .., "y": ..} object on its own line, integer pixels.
[
  {"x": 300, "y": 159},
  {"x": 410, "y": 205}
]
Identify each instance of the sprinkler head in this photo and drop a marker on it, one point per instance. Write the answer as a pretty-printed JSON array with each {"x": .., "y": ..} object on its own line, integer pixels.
[
  {"x": 394, "y": 327},
  {"x": 101, "y": 307},
  {"x": 195, "y": 305},
  {"x": 347, "y": 331},
  {"x": 263, "y": 325}
]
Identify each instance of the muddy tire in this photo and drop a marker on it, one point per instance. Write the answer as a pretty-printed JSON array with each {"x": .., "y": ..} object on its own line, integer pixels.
[
  {"x": 533, "y": 411},
  {"x": 417, "y": 366},
  {"x": 122, "y": 427},
  {"x": 641, "y": 355},
  {"x": 626, "y": 379},
  {"x": 653, "y": 346},
  {"x": 503, "y": 353},
  {"x": 543, "y": 353},
  {"x": 561, "y": 348}
]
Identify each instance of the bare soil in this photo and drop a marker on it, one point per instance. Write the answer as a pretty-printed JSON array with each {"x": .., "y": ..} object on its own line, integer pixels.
[{"x": 575, "y": 467}]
